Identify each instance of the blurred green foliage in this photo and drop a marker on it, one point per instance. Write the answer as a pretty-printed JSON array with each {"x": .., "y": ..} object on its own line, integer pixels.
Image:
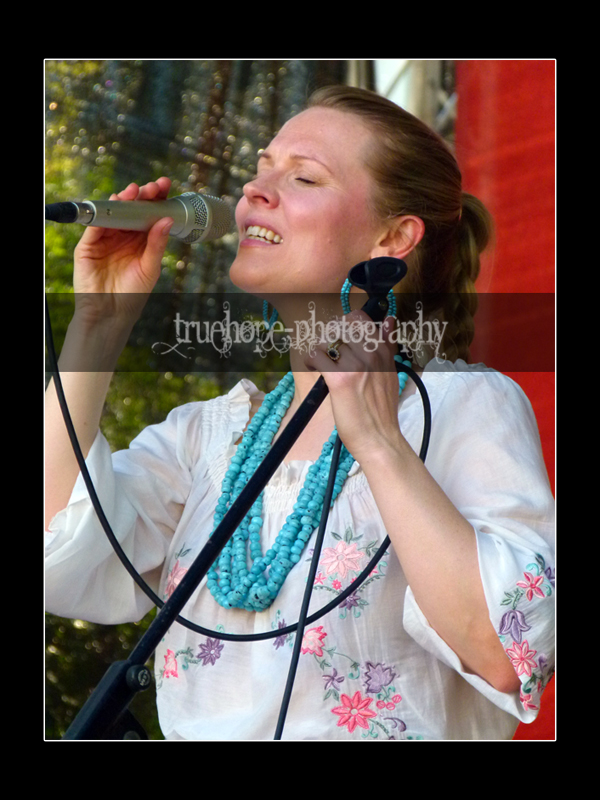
[{"x": 108, "y": 123}]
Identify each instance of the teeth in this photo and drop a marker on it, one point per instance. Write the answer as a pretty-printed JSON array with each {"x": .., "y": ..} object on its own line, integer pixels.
[{"x": 264, "y": 234}]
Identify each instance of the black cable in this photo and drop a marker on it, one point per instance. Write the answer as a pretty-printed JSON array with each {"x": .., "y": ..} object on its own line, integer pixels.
[
  {"x": 302, "y": 618},
  {"x": 314, "y": 564},
  {"x": 231, "y": 637}
]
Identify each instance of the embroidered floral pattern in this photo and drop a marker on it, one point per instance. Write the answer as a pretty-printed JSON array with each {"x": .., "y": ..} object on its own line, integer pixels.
[
  {"x": 537, "y": 583},
  {"x": 170, "y": 670},
  {"x": 174, "y": 579},
  {"x": 312, "y": 641},
  {"x": 341, "y": 559},
  {"x": 176, "y": 574},
  {"x": 209, "y": 652},
  {"x": 354, "y": 711},
  {"x": 361, "y": 698},
  {"x": 364, "y": 695},
  {"x": 377, "y": 676},
  {"x": 342, "y": 564},
  {"x": 533, "y": 585}
]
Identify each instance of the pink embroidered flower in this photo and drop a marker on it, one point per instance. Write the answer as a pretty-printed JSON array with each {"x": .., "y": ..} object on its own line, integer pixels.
[
  {"x": 522, "y": 658},
  {"x": 336, "y": 584},
  {"x": 532, "y": 584},
  {"x": 320, "y": 579},
  {"x": 526, "y": 700},
  {"x": 312, "y": 641},
  {"x": 174, "y": 578},
  {"x": 341, "y": 559},
  {"x": 170, "y": 670},
  {"x": 354, "y": 711}
]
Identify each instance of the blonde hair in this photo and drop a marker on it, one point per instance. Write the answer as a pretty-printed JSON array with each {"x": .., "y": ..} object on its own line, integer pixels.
[{"x": 416, "y": 173}]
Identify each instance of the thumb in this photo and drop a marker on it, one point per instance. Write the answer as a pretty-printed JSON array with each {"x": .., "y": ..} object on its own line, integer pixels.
[
  {"x": 166, "y": 224},
  {"x": 158, "y": 233},
  {"x": 156, "y": 243}
]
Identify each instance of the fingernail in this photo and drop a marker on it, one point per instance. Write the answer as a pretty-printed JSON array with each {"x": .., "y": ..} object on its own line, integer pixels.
[{"x": 167, "y": 227}]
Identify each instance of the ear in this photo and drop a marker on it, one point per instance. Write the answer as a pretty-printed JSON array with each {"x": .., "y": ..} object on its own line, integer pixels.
[{"x": 402, "y": 235}]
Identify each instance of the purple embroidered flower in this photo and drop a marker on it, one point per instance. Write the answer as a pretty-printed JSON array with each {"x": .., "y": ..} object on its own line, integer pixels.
[
  {"x": 210, "y": 651},
  {"x": 551, "y": 575},
  {"x": 332, "y": 681},
  {"x": 378, "y": 676},
  {"x": 513, "y": 622},
  {"x": 280, "y": 640},
  {"x": 351, "y": 601}
]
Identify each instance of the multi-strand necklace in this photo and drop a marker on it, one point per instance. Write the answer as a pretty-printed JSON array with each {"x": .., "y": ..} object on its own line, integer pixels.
[{"x": 242, "y": 576}]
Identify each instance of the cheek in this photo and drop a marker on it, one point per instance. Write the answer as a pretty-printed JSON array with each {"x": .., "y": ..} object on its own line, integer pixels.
[{"x": 241, "y": 212}]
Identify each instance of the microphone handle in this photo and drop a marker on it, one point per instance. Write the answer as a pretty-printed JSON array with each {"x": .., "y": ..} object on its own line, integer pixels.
[
  {"x": 196, "y": 217},
  {"x": 140, "y": 215}
]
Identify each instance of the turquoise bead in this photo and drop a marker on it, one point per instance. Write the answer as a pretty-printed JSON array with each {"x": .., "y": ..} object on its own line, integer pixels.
[{"x": 241, "y": 583}]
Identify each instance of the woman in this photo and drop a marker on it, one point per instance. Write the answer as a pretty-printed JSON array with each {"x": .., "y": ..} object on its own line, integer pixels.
[{"x": 451, "y": 636}]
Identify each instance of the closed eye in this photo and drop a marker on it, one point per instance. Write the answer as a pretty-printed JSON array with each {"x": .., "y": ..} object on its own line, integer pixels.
[{"x": 304, "y": 180}]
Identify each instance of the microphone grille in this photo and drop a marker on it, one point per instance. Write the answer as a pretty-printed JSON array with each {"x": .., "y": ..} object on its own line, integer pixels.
[{"x": 206, "y": 206}]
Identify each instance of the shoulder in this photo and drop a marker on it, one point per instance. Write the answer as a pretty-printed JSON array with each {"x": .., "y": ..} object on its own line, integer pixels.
[
  {"x": 196, "y": 428},
  {"x": 474, "y": 384},
  {"x": 485, "y": 438},
  {"x": 475, "y": 403}
]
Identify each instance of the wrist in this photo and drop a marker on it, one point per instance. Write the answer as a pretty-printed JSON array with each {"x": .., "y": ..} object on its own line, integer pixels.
[
  {"x": 93, "y": 345},
  {"x": 381, "y": 455}
]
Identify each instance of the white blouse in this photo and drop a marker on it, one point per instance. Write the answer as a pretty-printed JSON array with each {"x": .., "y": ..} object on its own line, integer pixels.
[{"x": 372, "y": 668}]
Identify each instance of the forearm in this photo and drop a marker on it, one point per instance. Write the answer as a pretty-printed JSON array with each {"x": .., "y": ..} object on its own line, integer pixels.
[
  {"x": 437, "y": 549},
  {"x": 85, "y": 393}
]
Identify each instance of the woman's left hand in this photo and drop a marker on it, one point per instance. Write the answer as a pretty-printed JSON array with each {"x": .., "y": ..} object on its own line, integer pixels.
[{"x": 363, "y": 385}]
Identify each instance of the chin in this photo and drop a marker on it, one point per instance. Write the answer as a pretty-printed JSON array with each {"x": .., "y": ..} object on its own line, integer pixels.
[{"x": 248, "y": 279}]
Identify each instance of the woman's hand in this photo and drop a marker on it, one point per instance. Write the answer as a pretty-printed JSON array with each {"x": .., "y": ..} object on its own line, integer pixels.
[
  {"x": 115, "y": 270},
  {"x": 363, "y": 386}
]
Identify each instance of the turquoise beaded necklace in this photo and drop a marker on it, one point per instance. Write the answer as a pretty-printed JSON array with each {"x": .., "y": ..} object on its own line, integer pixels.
[{"x": 246, "y": 578}]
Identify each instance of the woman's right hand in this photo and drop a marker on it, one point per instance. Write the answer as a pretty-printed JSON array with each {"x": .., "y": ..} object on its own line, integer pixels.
[{"x": 115, "y": 270}]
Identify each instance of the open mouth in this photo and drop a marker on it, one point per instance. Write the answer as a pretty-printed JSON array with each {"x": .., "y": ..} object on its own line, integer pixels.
[{"x": 263, "y": 235}]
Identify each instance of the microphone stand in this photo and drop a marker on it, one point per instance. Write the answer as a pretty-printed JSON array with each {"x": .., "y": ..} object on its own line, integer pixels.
[{"x": 105, "y": 711}]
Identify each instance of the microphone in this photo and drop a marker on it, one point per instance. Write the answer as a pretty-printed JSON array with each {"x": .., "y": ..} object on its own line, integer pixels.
[{"x": 196, "y": 217}]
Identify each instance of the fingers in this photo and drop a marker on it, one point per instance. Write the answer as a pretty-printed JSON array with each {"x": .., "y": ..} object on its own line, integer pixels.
[
  {"x": 362, "y": 345},
  {"x": 154, "y": 190},
  {"x": 130, "y": 193}
]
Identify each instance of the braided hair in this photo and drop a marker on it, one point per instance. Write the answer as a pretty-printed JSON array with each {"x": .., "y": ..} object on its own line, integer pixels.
[{"x": 416, "y": 173}]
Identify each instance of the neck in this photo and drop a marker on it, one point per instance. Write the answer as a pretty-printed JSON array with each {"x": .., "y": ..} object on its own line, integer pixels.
[{"x": 304, "y": 380}]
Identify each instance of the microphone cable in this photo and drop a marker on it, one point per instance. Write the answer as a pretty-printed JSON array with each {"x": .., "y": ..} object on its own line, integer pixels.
[{"x": 303, "y": 618}]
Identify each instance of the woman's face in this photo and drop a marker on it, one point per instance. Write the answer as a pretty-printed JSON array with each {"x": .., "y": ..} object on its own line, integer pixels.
[{"x": 312, "y": 193}]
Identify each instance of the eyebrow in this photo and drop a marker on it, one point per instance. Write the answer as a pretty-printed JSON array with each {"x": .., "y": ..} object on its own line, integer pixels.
[{"x": 296, "y": 157}]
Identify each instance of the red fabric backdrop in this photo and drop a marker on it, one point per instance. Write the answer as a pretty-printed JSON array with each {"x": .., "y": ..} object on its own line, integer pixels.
[{"x": 505, "y": 147}]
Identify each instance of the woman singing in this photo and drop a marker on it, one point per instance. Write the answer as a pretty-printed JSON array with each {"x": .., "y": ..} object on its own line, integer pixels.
[{"x": 451, "y": 636}]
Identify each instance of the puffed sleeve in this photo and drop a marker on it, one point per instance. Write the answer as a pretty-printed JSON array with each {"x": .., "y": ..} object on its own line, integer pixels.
[
  {"x": 486, "y": 455},
  {"x": 142, "y": 491}
]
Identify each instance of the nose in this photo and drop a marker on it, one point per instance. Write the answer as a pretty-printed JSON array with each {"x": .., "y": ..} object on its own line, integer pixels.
[{"x": 261, "y": 191}]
